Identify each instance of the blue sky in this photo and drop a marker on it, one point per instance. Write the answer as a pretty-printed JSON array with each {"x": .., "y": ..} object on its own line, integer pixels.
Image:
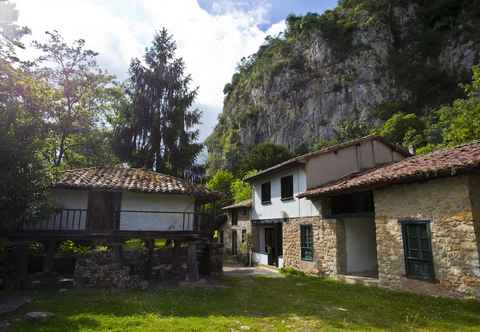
[
  {"x": 277, "y": 10},
  {"x": 212, "y": 35}
]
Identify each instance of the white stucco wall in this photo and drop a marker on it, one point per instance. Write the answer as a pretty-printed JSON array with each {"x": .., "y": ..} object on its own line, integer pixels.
[
  {"x": 278, "y": 208},
  {"x": 262, "y": 259},
  {"x": 360, "y": 245},
  {"x": 174, "y": 205}
]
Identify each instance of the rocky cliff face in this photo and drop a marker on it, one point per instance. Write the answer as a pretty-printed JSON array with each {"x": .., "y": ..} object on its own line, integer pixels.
[{"x": 299, "y": 87}]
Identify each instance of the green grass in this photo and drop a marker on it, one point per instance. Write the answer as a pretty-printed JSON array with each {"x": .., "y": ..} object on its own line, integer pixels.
[{"x": 294, "y": 303}]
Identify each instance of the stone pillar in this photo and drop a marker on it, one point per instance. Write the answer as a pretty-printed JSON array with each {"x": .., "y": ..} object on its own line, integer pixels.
[
  {"x": 50, "y": 249},
  {"x": 150, "y": 246},
  {"x": 192, "y": 263},
  {"x": 20, "y": 250},
  {"x": 117, "y": 252}
]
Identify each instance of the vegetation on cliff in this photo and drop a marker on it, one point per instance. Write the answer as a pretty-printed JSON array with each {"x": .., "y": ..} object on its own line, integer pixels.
[{"x": 389, "y": 67}]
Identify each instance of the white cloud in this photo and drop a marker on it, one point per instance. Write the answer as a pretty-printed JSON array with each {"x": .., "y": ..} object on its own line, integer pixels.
[{"x": 119, "y": 30}]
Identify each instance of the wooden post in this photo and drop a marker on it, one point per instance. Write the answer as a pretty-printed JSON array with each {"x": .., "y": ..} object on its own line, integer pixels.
[
  {"x": 193, "y": 273},
  {"x": 150, "y": 246},
  {"x": 48, "y": 263},
  {"x": 21, "y": 262}
]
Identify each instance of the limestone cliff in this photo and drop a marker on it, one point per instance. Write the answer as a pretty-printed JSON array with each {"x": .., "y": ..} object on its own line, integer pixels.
[{"x": 363, "y": 61}]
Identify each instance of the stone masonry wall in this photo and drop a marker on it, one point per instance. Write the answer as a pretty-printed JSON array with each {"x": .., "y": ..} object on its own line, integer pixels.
[
  {"x": 446, "y": 203},
  {"x": 243, "y": 223},
  {"x": 328, "y": 258}
]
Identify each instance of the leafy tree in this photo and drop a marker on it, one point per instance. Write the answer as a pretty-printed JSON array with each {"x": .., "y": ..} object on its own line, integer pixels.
[
  {"x": 460, "y": 122},
  {"x": 263, "y": 156},
  {"x": 240, "y": 189},
  {"x": 222, "y": 182},
  {"x": 159, "y": 133},
  {"x": 23, "y": 176},
  {"x": 404, "y": 129},
  {"x": 78, "y": 98}
]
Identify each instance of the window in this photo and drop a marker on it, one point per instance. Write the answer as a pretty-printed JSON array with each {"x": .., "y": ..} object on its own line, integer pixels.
[
  {"x": 221, "y": 237},
  {"x": 266, "y": 193},
  {"x": 234, "y": 217},
  {"x": 244, "y": 235},
  {"x": 306, "y": 242},
  {"x": 417, "y": 244},
  {"x": 287, "y": 187}
]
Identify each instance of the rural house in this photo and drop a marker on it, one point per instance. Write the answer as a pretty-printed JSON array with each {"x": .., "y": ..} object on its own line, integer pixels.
[
  {"x": 365, "y": 211},
  {"x": 237, "y": 228},
  {"x": 112, "y": 205}
]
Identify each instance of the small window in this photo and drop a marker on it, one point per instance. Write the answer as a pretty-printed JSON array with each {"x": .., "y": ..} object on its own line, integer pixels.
[
  {"x": 287, "y": 187},
  {"x": 266, "y": 193},
  {"x": 244, "y": 235},
  {"x": 306, "y": 242},
  {"x": 234, "y": 217},
  {"x": 417, "y": 244}
]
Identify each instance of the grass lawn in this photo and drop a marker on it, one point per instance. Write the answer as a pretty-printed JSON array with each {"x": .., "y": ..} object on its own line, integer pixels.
[{"x": 294, "y": 303}]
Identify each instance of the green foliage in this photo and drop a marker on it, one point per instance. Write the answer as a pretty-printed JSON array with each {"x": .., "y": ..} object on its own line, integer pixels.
[
  {"x": 222, "y": 182},
  {"x": 69, "y": 247},
  {"x": 403, "y": 129},
  {"x": 242, "y": 190},
  {"x": 460, "y": 122},
  {"x": 263, "y": 156},
  {"x": 290, "y": 271},
  {"x": 160, "y": 131},
  {"x": 346, "y": 130}
]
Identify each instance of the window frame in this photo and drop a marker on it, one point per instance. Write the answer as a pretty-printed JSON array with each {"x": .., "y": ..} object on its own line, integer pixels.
[
  {"x": 264, "y": 201},
  {"x": 283, "y": 190},
  {"x": 426, "y": 261},
  {"x": 244, "y": 235},
  {"x": 308, "y": 245},
  {"x": 234, "y": 217}
]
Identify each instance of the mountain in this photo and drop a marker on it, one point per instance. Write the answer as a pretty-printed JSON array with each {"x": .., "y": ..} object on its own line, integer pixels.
[{"x": 361, "y": 62}]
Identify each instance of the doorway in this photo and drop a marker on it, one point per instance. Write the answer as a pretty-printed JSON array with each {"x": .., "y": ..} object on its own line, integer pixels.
[
  {"x": 234, "y": 243},
  {"x": 271, "y": 246},
  {"x": 103, "y": 208}
]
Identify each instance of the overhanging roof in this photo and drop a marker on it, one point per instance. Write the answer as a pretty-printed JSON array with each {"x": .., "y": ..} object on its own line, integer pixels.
[{"x": 441, "y": 163}]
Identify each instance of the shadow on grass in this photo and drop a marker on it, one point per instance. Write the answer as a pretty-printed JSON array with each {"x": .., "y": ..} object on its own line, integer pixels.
[{"x": 284, "y": 301}]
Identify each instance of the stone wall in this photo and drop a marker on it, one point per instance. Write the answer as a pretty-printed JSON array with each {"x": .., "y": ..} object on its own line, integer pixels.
[
  {"x": 446, "y": 202},
  {"x": 101, "y": 269},
  {"x": 244, "y": 222},
  {"x": 328, "y": 257}
]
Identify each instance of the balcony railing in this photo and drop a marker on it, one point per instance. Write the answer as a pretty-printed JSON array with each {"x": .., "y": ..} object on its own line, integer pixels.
[{"x": 75, "y": 220}]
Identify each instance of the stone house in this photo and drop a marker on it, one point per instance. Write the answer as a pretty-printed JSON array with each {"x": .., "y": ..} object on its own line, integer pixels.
[
  {"x": 237, "y": 228},
  {"x": 366, "y": 211}
]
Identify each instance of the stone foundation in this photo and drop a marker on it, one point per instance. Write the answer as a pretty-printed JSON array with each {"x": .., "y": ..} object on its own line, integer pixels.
[
  {"x": 328, "y": 256},
  {"x": 447, "y": 204}
]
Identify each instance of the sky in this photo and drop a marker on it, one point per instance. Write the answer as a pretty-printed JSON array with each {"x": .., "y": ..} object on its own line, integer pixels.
[{"x": 212, "y": 35}]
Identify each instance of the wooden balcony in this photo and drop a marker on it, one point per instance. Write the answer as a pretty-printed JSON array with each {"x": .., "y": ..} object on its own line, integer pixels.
[{"x": 76, "y": 224}]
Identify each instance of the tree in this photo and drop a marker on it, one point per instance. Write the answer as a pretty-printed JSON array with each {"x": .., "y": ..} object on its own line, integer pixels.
[
  {"x": 263, "y": 156},
  {"x": 240, "y": 189},
  {"x": 159, "y": 132},
  {"x": 79, "y": 96},
  {"x": 222, "y": 182},
  {"x": 404, "y": 129},
  {"x": 460, "y": 122}
]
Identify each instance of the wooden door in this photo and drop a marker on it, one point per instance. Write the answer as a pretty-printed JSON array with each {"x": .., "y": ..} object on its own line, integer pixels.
[
  {"x": 271, "y": 246},
  {"x": 100, "y": 212}
]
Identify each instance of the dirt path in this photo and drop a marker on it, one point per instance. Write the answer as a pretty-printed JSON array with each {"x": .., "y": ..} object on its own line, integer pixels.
[{"x": 237, "y": 270}]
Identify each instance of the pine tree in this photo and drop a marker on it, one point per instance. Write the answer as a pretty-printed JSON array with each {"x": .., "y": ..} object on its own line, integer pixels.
[{"x": 158, "y": 127}]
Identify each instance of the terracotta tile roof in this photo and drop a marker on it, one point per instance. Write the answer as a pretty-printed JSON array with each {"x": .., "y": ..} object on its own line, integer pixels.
[
  {"x": 304, "y": 158},
  {"x": 130, "y": 179},
  {"x": 441, "y": 163},
  {"x": 243, "y": 204}
]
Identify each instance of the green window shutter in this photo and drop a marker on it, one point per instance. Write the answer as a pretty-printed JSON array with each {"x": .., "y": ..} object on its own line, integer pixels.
[{"x": 418, "y": 249}]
